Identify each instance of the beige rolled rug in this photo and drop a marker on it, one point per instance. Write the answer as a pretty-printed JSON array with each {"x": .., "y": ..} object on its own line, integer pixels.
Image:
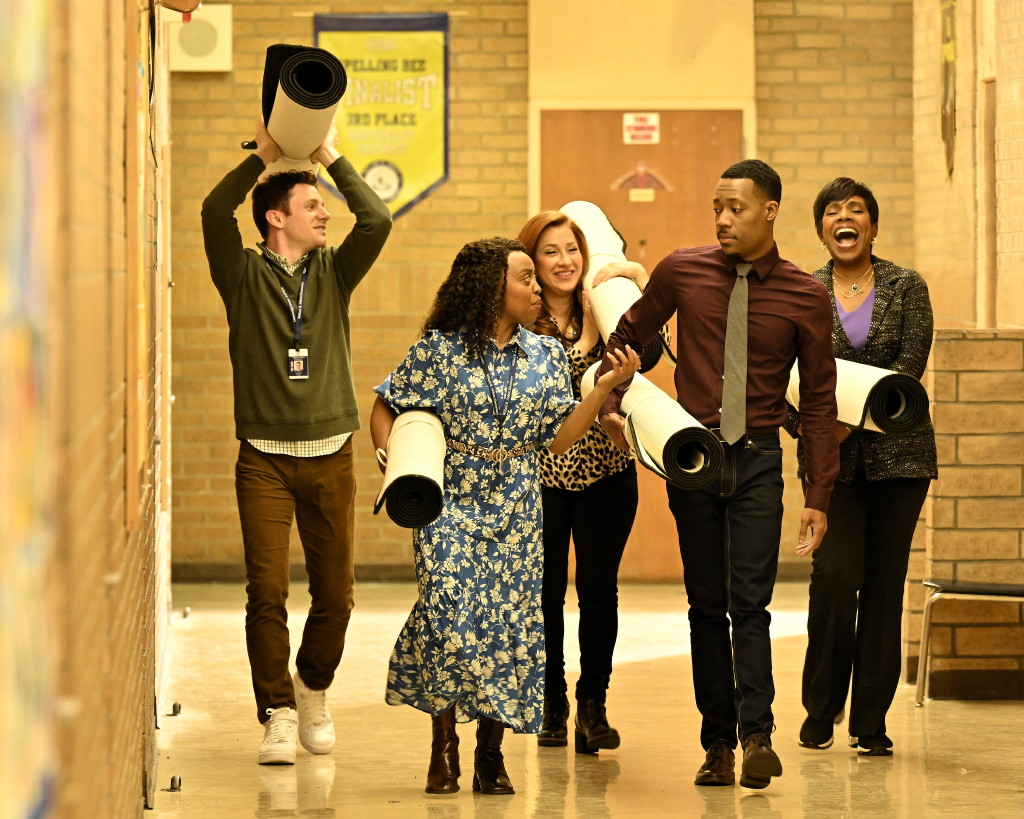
[
  {"x": 413, "y": 486},
  {"x": 615, "y": 296},
  {"x": 664, "y": 437},
  {"x": 302, "y": 88},
  {"x": 873, "y": 398}
]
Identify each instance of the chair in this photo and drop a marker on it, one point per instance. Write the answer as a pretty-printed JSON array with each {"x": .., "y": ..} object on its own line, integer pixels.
[{"x": 956, "y": 590}]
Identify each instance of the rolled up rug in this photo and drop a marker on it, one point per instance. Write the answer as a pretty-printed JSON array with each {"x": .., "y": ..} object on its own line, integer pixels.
[
  {"x": 413, "y": 484},
  {"x": 302, "y": 87},
  {"x": 614, "y": 296},
  {"x": 664, "y": 437},
  {"x": 873, "y": 398}
]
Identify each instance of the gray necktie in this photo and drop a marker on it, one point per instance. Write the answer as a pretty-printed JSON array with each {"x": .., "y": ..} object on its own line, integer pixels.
[{"x": 734, "y": 390}]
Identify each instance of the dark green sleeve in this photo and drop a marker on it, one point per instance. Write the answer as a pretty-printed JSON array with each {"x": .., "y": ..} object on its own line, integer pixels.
[
  {"x": 358, "y": 251},
  {"x": 221, "y": 236}
]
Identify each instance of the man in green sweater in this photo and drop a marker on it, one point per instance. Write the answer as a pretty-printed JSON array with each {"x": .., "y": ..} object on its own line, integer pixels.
[{"x": 295, "y": 409}]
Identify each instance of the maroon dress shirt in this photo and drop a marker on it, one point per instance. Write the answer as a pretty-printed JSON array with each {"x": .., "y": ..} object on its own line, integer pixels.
[{"x": 789, "y": 320}]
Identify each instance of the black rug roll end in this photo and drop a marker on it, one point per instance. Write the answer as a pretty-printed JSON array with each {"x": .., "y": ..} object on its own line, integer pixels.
[
  {"x": 314, "y": 78},
  {"x": 650, "y": 355},
  {"x": 898, "y": 404},
  {"x": 413, "y": 501},
  {"x": 693, "y": 458},
  {"x": 307, "y": 75}
]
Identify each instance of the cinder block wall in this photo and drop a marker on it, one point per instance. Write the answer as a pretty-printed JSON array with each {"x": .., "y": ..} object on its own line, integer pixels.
[
  {"x": 977, "y": 516},
  {"x": 834, "y": 88},
  {"x": 486, "y": 194},
  {"x": 834, "y": 85}
]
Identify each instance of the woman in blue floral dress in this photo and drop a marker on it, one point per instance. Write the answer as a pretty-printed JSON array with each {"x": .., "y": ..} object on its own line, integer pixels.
[{"x": 473, "y": 646}]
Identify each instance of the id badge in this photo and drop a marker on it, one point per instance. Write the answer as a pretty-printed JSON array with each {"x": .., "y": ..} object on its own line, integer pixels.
[{"x": 298, "y": 363}]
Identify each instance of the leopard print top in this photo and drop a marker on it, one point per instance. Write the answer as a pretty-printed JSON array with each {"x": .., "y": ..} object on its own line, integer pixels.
[{"x": 593, "y": 456}]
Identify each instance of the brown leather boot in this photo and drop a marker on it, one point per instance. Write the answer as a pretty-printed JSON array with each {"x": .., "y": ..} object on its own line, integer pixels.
[
  {"x": 489, "y": 774},
  {"x": 592, "y": 729},
  {"x": 443, "y": 774},
  {"x": 554, "y": 732}
]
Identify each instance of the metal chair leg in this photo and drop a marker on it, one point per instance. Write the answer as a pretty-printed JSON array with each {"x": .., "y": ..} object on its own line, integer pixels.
[{"x": 922, "y": 664}]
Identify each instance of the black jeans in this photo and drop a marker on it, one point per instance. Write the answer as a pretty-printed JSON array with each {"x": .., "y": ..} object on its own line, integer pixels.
[
  {"x": 855, "y": 609},
  {"x": 729, "y": 536},
  {"x": 598, "y": 519}
]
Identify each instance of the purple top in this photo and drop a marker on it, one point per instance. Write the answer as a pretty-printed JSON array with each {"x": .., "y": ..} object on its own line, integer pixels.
[{"x": 857, "y": 322}]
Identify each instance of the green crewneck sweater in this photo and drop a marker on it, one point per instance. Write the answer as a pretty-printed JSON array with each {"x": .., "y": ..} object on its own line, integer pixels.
[{"x": 269, "y": 405}]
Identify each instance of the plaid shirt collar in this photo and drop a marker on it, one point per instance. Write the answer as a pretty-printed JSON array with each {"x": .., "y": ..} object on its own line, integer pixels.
[{"x": 281, "y": 261}]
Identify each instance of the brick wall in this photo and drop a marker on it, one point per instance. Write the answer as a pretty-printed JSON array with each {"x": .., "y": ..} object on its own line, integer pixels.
[
  {"x": 102, "y": 365},
  {"x": 485, "y": 195},
  {"x": 977, "y": 512}
]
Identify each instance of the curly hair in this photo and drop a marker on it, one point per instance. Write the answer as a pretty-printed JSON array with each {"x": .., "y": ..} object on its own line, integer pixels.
[
  {"x": 472, "y": 296},
  {"x": 530, "y": 236},
  {"x": 274, "y": 192}
]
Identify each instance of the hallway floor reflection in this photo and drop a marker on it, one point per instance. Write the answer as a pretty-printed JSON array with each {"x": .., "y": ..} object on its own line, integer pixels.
[{"x": 952, "y": 758}]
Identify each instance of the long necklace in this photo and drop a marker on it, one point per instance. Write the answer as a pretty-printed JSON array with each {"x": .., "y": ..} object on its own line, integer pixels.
[
  {"x": 855, "y": 287},
  {"x": 502, "y": 412}
]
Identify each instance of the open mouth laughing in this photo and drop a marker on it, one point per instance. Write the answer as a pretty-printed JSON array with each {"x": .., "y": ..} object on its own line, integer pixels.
[{"x": 846, "y": 237}]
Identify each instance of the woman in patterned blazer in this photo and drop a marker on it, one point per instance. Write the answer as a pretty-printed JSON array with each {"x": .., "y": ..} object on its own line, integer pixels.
[{"x": 882, "y": 317}]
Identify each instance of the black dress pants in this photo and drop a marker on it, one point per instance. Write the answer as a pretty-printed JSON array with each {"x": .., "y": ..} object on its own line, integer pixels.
[
  {"x": 598, "y": 520},
  {"x": 855, "y": 609}
]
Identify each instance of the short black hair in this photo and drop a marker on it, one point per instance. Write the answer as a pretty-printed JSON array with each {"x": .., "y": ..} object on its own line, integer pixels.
[
  {"x": 763, "y": 175},
  {"x": 274, "y": 192},
  {"x": 839, "y": 190}
]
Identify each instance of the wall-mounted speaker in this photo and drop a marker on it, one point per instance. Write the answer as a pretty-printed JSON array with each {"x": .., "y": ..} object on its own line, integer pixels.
[{"x": 201, "y": 44}]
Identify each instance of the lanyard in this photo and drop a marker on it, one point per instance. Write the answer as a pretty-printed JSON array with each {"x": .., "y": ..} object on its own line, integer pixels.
[
  {"x": 296, "y": 311},
  {"x": 501, "y": 413}
]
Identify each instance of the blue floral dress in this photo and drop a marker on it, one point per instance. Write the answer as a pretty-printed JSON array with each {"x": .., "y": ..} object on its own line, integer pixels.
[{"x": 475, "y": 637}]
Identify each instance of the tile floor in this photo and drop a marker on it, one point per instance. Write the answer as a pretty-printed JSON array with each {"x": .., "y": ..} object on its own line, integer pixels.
[{"x": 953, "y": 758}]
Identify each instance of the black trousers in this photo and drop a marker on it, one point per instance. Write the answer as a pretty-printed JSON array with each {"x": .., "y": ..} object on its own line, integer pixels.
[
  {"x": 856, "y": 601},
  {"x": 598, "y": 520},
  {"x": 729, "y": 540}
]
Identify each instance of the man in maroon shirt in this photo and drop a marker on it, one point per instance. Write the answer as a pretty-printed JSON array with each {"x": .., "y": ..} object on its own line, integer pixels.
[{"x": 729, "y": 532}]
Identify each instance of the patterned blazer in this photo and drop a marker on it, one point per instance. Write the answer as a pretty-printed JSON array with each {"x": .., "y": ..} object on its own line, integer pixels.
[{"x": 899, "y": 339}]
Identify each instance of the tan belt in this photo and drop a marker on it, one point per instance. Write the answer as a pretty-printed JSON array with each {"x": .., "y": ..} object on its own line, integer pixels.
[{"x": 493, "y": 455}]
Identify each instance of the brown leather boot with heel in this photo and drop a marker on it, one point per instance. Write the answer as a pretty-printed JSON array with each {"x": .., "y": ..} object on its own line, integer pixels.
[
  {"x": 443, "y": 774},
  {"x": 592, "y": 729},
  {"x": 489, "y": 774},
  {"x": 554, "y": 732}
]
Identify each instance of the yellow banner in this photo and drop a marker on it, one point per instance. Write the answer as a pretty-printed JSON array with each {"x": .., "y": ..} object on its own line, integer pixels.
[{"x": 393, "y": 118}]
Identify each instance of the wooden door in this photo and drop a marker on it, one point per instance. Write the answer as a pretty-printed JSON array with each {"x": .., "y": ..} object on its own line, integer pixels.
[{"x": 658, "y": 196}]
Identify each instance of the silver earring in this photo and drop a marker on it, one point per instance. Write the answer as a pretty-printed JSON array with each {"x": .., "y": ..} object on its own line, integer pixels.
[
  {"x": 873, "y": 241},
  {"x": 823, "y": 246}
]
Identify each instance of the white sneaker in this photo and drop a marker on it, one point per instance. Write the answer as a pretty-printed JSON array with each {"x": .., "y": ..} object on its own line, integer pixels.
[
  {"x": 316, "y": 728},
  {"x": 278, "y": 746}
]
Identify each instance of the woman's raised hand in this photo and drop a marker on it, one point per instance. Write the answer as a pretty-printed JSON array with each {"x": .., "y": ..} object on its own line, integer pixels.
[{"x": 624, "y": 363}]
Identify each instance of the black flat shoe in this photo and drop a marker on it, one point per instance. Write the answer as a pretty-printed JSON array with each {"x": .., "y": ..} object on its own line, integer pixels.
[
  {"x": 875, "y": 745},
  {"x": 817, "y": 734}
]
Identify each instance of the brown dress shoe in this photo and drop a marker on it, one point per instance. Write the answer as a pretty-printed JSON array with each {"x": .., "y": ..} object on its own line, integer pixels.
[
  {"x": 719, "y": 767},
  {"x": 760, "y": 762}
]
